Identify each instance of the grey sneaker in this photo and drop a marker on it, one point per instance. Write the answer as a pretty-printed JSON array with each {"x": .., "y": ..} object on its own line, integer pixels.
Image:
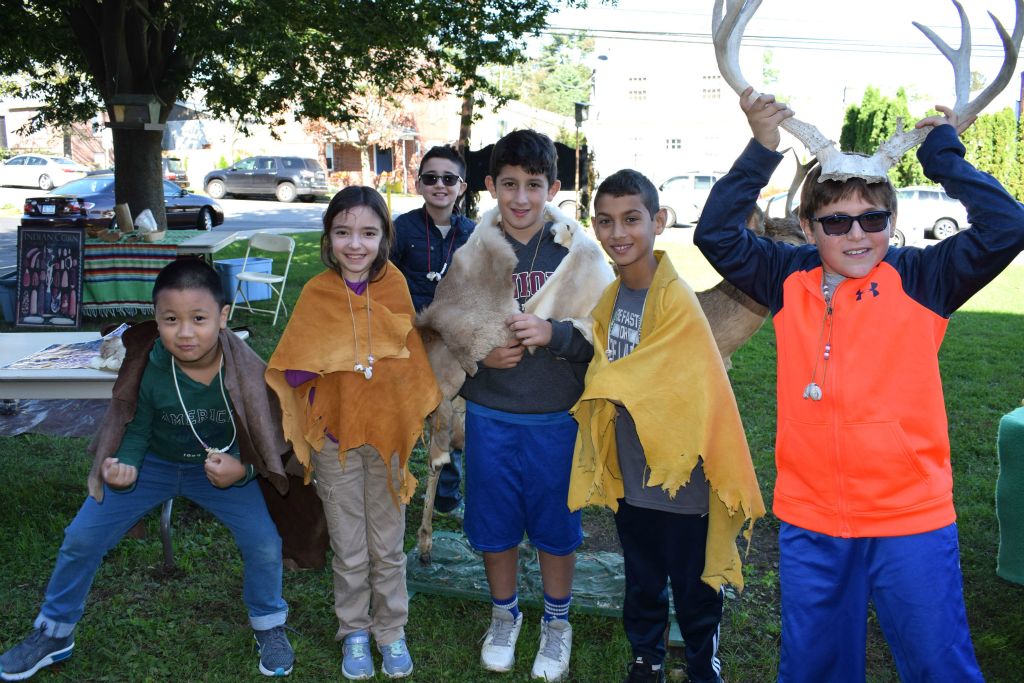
[
  {"x": 499, "y": 650},
  {"x": 33, "y": 653},
  {"x": 276, "y": 654},
  {"x": 552, "y": 662}
]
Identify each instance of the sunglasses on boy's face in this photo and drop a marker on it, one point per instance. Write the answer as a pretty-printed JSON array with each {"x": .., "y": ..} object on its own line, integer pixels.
[
  {"x": 840, "y": 224},
  {"x": 448, "y": 179}
]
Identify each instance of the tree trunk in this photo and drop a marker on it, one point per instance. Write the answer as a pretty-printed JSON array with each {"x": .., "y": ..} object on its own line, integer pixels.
[
  {"x": 465, "y": 129},
  {"x": 364, "y": 164},
  {"x": 138, "y": 175}
]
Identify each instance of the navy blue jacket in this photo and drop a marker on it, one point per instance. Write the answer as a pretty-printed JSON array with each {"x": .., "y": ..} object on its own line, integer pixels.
[{"x": 412, "y": 256}]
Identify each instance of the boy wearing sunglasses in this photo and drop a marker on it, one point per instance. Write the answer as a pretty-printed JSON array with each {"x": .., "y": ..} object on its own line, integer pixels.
[
  {"x": 425, "y": 240},
  {"x": 864, "y": 489}
]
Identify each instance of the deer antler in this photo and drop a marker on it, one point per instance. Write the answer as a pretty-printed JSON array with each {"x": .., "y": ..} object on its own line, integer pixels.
[{"x": 727, "y": 34}]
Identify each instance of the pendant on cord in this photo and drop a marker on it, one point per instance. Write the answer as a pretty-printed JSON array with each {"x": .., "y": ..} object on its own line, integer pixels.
[
  {"x": 210, "y": 451},
  {"x": 367, "y": 369},
  {"x": 813, "y": 391},
  {"x": 436, "y": 276}
]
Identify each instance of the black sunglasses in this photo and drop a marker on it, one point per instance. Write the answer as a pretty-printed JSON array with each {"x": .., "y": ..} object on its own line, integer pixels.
[
  {"x": 448, "y": 179},
  {"x": 840, "y": 224}
]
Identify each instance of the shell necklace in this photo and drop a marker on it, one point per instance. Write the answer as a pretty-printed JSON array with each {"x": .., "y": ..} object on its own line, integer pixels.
[
  {"x": 367, "y": 369},
  {"x": 608, "y": 351},
  {"x": 813, "y": 390},
  {"x": 435, "y": 275},
  {"x": 540, "y": 238},
  {"x": 210, "y": 450}
]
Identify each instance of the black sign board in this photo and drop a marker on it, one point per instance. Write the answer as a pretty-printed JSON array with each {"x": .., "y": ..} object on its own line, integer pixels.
[{"x": 49, "y": 277}]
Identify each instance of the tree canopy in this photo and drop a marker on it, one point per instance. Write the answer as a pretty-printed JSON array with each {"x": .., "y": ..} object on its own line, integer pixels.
[
  {"x": 250, "y": 60},
  {"x": 994, "y": 142}
]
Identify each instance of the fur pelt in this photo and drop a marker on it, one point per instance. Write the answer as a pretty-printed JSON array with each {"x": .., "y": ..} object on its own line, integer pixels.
[{"x": 475, "y": 298}]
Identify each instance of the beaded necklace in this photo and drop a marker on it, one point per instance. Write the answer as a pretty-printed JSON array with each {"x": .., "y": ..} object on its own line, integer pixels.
[
  {"x": 814, "y": 390},
  {"x": 367, "y": 369}
]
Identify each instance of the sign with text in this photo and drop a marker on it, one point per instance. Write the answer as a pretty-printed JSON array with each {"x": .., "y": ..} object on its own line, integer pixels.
[{"x": 49, "y": 277}]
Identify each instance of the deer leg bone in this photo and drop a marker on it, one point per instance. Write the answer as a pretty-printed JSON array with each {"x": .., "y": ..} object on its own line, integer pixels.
[{"x": 425, "y": 534}]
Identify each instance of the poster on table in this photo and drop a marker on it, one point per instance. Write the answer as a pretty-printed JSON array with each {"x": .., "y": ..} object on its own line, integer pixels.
[{"x": 49, "y": 277}]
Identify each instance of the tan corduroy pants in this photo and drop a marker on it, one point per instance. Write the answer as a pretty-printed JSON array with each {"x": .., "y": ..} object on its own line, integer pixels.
[{"x": 367, "y": 532}]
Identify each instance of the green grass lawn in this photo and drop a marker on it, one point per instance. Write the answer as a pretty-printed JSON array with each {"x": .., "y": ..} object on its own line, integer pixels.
[{"x": 143, "y": 624}]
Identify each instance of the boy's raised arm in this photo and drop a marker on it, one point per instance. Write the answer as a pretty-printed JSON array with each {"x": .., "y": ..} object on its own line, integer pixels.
[
  {"x": 752, "y": 264},
  {"x": 764, "y": 115}
]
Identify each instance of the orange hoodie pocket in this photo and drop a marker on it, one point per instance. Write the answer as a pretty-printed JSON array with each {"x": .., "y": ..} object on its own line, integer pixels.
[
  {"x": 806, "y": 466},
  {"x": 881, "y": 470}
]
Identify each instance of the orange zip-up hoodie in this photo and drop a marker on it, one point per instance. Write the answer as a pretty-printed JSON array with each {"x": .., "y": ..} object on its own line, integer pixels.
[{"x": 872, "y": 457}]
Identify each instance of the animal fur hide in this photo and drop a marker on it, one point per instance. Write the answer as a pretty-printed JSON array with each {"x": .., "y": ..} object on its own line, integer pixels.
[{"x": 475, "y": 298}]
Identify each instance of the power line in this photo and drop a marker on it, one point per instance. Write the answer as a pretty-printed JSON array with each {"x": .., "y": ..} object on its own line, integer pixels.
[{"x": 774, "y": 42}]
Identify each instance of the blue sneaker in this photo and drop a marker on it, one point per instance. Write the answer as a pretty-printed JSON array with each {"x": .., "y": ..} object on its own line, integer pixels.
[
  {"x": 357, "y": 663},
  {"x": 276, "y": 654},
  {"x": 33, "y": 653},
  {"x": 397, "y": 660}
]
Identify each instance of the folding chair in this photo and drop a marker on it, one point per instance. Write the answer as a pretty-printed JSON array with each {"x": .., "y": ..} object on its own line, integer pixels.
[{"x": 266, "y": 242}]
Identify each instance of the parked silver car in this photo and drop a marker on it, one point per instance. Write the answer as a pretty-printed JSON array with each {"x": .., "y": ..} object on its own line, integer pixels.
[
  {"x": 683, "y": 196},
  {"x": 40, "y": 170},
  {"x": 929, "y": 208}
]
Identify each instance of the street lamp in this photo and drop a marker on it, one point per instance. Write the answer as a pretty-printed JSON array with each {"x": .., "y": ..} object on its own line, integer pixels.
[{"x": 582, "y": 109}]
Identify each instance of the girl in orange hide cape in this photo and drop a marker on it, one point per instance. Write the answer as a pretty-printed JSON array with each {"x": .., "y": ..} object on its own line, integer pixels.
[{"x": 355, "y": 388}]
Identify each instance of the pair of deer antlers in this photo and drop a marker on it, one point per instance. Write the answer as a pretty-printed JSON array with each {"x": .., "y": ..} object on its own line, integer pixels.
[{"x": 727, "y": 34}]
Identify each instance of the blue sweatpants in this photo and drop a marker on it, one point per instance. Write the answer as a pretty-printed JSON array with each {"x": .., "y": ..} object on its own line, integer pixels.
[{"x": 915, "y": 585}]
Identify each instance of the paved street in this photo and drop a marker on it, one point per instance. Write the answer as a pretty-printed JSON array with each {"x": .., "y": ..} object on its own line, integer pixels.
[{"x": 239, "y": 215}]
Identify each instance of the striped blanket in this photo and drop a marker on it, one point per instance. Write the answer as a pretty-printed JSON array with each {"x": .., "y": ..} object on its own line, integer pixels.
[{"x": 118, "y": 277}]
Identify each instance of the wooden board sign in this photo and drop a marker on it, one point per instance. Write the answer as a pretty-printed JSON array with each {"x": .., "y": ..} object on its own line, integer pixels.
[{"x": 49, "y": 277}]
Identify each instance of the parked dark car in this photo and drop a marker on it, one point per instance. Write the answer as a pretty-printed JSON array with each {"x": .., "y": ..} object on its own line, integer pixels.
[
  {"x": 287, "y": 178},
  {"x": 174, "y": 171},
  {"x": 89, "y": 203}
]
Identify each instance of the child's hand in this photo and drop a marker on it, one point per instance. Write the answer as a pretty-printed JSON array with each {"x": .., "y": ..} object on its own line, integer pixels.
[
  {"x": 529, "y": 329},
  {"x": 764, "y": 115},
  {"x": 948, "y": 117},
  {"x": 117, "y": 474},
  {"x": 504, "y": 357},
  {"x": 223, "y": 470}
]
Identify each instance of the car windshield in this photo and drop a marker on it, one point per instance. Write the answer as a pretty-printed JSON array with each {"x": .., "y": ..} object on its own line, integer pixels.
[
  {"x": 62, "y": 160},
  {"x": 87, "y": 185},
  {"x": 314, "y": 165},
  {"x": 175, "y": 165}
]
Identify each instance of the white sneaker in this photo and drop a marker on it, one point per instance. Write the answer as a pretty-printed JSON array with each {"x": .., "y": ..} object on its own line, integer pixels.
[
  {"x": 552, "y": 662},
  {"x": 499, "y": 650}
]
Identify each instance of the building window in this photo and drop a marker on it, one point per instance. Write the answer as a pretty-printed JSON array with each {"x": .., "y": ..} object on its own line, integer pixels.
[
  {"x": 674, "y": 143},
  {"x": 637, "y": 95},
  {"x": 711, "y": 93}
]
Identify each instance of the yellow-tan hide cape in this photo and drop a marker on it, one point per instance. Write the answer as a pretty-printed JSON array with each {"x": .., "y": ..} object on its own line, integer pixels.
[
  {"x": 675, "y": 387},
  {"x": 387, "y": 411}
]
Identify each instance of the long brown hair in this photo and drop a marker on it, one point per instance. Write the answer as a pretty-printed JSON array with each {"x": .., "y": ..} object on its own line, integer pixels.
[{"x": 346, "y": 200}]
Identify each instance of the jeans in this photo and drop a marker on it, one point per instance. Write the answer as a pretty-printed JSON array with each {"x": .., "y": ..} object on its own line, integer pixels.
[
  {"x": 449, "y": 481},
  {"x": 99, "y": 526}
]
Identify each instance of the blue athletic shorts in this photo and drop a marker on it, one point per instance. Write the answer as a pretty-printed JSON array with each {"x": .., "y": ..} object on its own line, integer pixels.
[{"x": 517, "y": 480}]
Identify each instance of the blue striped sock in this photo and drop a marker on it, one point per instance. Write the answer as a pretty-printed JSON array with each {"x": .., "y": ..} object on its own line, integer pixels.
[
  {"x": 511, "y": 604},
  {"x": 556, "y": 608}
]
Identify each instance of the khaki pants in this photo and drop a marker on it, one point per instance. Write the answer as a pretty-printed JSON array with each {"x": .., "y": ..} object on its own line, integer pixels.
[{"x": 367, "y": 534}]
